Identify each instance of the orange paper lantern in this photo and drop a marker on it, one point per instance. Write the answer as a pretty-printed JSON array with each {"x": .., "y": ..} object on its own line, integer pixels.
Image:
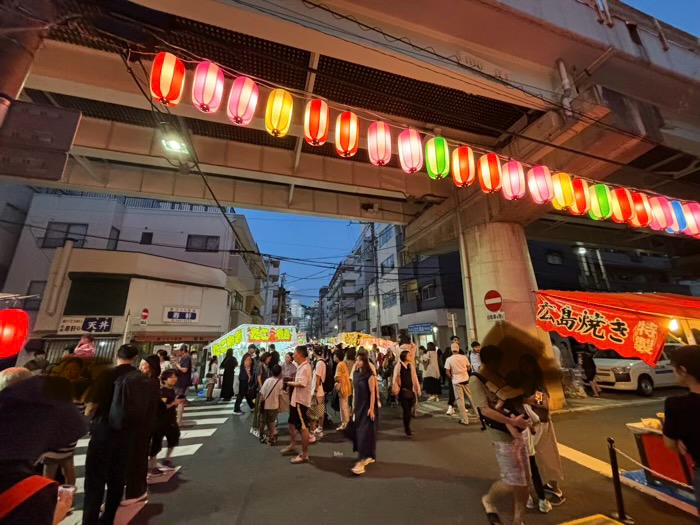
[
  {"x": 347, "y": 134},
  {"x": 621, "y": 205},
  {"x": 642, "y": 216},
  {"x": 582, "y": 197},
  {"x": 317, "y": 121},
  {"x": 490, "y": 173},
  {"x": 463, "y": 166},
  {"x": 692, "y": 218},
  {"x": 167, "y": 78}
]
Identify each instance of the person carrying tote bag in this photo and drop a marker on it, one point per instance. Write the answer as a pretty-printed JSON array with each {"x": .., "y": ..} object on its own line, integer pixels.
[{"x": 406, "y": 387}]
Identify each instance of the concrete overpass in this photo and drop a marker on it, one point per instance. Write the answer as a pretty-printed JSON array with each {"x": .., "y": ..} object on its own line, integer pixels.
[{"x": 603, "y": 92}]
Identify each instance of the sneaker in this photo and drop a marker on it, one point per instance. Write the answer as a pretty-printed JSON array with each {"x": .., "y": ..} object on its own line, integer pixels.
[
  {"x": 237, "y": 413},
  {"x": 462, "y": 422},
  {"x": 131, "y": 501},
  {"x": 530, "y": 503},
  {"x": 358, "y": 469},
  {"x": 545, "y": 506},
  {"x": 319, "y": 430},
  {"x": 450, "y": 411},
  {"x": 554, "y": 499}
]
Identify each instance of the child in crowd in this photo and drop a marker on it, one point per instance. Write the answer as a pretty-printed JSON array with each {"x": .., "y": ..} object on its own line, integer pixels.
[
  {"x": 166, "y": 426},
  {"x": 270, "y": 403}
]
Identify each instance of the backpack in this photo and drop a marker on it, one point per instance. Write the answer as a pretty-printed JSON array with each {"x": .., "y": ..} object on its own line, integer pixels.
[
  {"x": 329, "y": 382},
  {"x": 508, "y": 409},
  {"x": 131, "y": 399}
]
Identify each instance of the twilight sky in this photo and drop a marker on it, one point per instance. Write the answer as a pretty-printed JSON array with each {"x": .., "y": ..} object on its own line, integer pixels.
[{"x": 321, "y": 241}]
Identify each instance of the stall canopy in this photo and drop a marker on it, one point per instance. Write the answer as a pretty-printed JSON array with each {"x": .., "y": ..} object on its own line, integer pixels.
[{"x": 632, "y": 324}]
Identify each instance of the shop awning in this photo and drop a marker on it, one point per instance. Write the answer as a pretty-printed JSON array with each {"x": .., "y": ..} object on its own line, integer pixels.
[{"x": 632, "y": 324}]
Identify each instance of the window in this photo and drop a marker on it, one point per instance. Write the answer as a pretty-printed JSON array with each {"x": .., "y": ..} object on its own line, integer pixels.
[
  {"x": 389, "y": 299},
  {"x": 202, "y": 243},
  {"x": 386, "y": 235},
  {"x": 35, "y": 288},
  {"x": 57, "y": 233},
  {"x": 97, "y": 296},
  {"x": 237, "y": 301},
  {"x": 388, "y": 264},
  {"x": 113, "y": 239},
  {"x": 364, "y": 315},
  {"x": 146, "y": 237},
  {"x": 555, "y": 258},
  {"x": 427, "y": 292}
]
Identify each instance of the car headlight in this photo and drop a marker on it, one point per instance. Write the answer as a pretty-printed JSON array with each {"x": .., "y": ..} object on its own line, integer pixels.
[{"x": 620, "y": 369}]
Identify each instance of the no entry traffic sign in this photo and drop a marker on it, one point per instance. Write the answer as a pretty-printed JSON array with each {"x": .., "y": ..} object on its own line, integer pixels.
[
  {"x": 493, "y": 301},
  {"x": 144, "y": 314}
]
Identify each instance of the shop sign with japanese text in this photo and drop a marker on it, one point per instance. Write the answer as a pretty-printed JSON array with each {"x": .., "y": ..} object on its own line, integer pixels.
[
  {"x": 180, "y": 314},
  {"x": 269, "y": 334},
  {"x": 630, "y": 334},
  {"x": 85, "y": 325}
]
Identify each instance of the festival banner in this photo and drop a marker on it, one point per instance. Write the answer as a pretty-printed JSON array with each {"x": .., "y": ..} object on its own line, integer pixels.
[{"x": 629, "y": 333}]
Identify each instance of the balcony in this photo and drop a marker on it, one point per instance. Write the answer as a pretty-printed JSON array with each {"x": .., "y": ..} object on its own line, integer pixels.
[
  {"x": 240, "y": 278},
  {"x": 239, "y": 317}
]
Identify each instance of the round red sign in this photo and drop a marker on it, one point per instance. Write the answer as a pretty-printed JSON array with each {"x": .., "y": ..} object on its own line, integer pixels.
[
  {"x": 493, "y": 301},
  {"x": 144, "y": 314}
]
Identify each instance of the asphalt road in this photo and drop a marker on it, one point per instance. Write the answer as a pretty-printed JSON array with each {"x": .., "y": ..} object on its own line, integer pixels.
[{"x": 436, "y": 478}]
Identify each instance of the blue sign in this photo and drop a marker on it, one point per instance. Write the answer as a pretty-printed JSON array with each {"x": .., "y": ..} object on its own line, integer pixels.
[
  {"x": 97, "y": 324},
  {"x": 420, "y": 328},
  {"x": 180, "y": 314}
]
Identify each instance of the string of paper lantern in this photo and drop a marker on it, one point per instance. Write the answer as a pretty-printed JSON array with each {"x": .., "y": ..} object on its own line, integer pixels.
[{"x": 578, "y": 196}]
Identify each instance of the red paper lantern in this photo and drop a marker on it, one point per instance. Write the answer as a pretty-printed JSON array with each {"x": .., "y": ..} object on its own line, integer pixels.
[
  {"x": 410, "y": 150},
  {"x": 14, "y": 326},
  {"x": 662, "y": 214},
  {"x": 317, "y": 121},
  {"x": 539, "y": 181},
  {"x": 463, "y": 166},
  {"x": 167, "y": 78},
  {"x": 642, "y": 216},
  {"x": 347, "y": 134},
  {"x": 513, "y": 180},
  {"x": 691, "y": 211},
  {"x": 582, "y": 197},
  {"x": 242, "y": 101},
  {"x": 379, "y": 143},
  {"x": 207, "y": 87},
  {"x": 490, "y": 172},
  {"x": 622, "y": 206}
]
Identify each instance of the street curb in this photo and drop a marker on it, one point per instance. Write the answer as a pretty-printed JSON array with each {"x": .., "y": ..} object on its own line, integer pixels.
[{"x": 594, "y": 408}]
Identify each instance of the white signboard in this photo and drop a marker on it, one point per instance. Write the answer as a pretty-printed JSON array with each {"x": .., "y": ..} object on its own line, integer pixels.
[
  {"x": 180, "y": 314},
  {"x": 497, "y": 316}
]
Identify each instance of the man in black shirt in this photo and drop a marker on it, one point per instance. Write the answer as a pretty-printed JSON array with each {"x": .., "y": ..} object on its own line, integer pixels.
[
  {"x": 681, "y": 428},
  {"x": 184, "y": 379},
  {"x": 107, "y": 452}
]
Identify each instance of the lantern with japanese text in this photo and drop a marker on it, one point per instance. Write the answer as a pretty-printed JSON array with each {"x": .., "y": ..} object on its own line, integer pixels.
[
  {"x": 539, "y": 182},
  {"x": 463, "y": 166},
  {"x": 207, "y": 87},
  {"x": 278, "y": 112},
  {"x": 167, "y": 78},
  {"x": 582, "y": 197},
  {"x": 242, "y": 101},
  {"x": 317, "y": 122},
  {"x": 691, "y": 210},
  {"x": 14, "y": 326},
  {"x": 513, "y": 180},
  {"x": 563, "y": 191},
  {"x": 641, "y": 218},
  {"x": 489, "y": 172},
  {"x": 347, "y": 134},
  {"x": 600, "y": 202},
  {"x": 379, "y": 143},
  {"x": 662, "y": 215},
  {"x": 678, "y": 222},
  {"x": 621, "y": 205},
  {"x": 410, "y": 150},
  {"x": 437, "y": 158}
]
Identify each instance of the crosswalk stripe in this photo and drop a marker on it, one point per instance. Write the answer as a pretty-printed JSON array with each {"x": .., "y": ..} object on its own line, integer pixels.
[
  {"x": 197, "y": 433},
  {"x": 220, "y": 412},
  {"x": 213, "y": 406},
  {"x": 211, "y": 421},
  {"x": 186, "y": 450}
]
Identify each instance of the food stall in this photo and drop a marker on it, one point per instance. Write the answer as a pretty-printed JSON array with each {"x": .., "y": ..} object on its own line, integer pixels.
[
  {"x": 634, "y": 325},
  {"x": 283, "y": 337},
  {"x": 359, "y": 339}
]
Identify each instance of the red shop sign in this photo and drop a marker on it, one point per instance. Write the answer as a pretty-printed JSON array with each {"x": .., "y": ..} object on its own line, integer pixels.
[{"x": 629, "y": 333}]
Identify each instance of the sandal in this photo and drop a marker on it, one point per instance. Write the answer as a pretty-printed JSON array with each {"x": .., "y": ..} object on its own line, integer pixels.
[
  {"x": 288, "y": 451},
  {"x": 297, "y": 460}
]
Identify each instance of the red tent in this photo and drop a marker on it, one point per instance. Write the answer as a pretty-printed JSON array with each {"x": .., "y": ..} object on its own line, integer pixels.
[{"x": 632, "y": 324}]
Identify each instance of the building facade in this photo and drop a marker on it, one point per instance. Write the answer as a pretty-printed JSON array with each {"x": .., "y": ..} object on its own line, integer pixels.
[{"x": 175, "y": 231}]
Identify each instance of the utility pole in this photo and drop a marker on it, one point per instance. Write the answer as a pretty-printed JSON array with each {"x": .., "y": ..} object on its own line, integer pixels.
[
  {"x": 281, "y": 295},
  {"x": 375, "y": 249}
]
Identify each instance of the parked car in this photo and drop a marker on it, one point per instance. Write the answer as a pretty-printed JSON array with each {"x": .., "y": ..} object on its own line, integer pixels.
[{"x": 615, "y": 372}]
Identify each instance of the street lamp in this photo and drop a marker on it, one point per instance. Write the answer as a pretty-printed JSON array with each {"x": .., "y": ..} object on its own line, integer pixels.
[
  {"x": 335, "y": 327},
  {"x": 435, "y": 329},
  {"x": 374, "y": 303}
]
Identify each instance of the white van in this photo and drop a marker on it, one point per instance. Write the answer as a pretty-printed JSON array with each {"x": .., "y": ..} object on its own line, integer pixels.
[{"x": 615, "y": 372}]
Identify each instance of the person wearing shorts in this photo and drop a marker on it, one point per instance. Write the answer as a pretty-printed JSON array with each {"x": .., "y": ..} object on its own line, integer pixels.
[
  {"x": 317, "y": 410},
  {"x": 299, "y": 406},
  {"x": 511, "y": 452},
  {"x": 270, "y": 400}
]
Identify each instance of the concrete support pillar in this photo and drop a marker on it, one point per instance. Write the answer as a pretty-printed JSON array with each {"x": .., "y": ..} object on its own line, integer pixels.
[
  {"x": 23, "y": 26},
  {"x": 499, "y": 260}
]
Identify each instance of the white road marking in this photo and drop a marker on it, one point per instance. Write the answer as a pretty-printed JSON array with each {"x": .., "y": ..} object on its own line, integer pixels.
[
  {"x": 221, "y": 412},
  {"x": 187, "y": 450},
  {"x": 198, "y": 433},
  {"x": 213, "y": 421},
  {"x": 212, "y": 406}
]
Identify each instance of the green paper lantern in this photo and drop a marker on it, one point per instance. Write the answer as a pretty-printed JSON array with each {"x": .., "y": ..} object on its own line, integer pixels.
[
  {"x": 601, "y": 202},
  {"x": 437, "y": 158}
]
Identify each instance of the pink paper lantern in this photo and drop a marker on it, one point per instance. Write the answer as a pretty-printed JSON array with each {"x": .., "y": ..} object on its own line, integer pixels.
[
  {"x": 379, "y": 143},
  {"x": 410, "y": 150},
  {"x": 539, "y": 181},
  {"x": 242, "y": 101},
  {"x": 207, "y": 87},
  {"x": 513, "y": 180}
]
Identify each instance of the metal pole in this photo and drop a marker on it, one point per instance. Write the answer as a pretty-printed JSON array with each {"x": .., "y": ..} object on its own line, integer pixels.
[
  {"x": 281, "y": 293},
  {"x": 469, "y": 319},
  {"x": 620, "y": 514},
  {"x": 375, "y": 251}
]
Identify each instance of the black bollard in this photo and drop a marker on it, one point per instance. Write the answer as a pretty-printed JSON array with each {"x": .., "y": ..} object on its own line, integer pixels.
[{"x": 620, "y": 514}]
